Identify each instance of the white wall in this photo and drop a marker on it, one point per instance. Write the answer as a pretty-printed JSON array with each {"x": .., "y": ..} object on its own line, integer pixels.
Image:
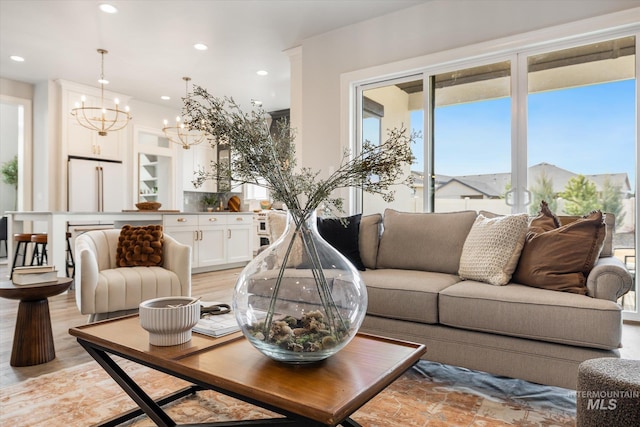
[{"x": 428, "y": 28}]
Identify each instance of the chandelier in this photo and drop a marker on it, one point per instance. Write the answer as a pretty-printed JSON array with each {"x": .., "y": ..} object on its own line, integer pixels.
[
  {"x": 101, "y": 119},
  {"x": 182, "y": 133}
]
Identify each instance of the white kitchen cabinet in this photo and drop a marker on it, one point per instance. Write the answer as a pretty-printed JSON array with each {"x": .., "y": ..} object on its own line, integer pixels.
[
  {"x": 212, "y": 243},
  {"x": 83, "y": 142},
  {"x": 217, "y": 240},
  {"x": 240, "y": 238},
  {"x": 183, "y": 228},
  {"x": 198, "y": 157}
]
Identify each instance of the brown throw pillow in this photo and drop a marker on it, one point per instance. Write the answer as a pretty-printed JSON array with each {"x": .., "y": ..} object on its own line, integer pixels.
[
  {"x": 558, "y": 257},
  {"x": 140, "y": 246}
]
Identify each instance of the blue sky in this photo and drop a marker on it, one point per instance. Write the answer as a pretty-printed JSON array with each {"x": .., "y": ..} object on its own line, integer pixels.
[{"x": 589, "y": 130}]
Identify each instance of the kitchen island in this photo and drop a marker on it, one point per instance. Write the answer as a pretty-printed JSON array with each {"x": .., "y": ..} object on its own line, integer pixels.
[{"x": 228, "y": 226}]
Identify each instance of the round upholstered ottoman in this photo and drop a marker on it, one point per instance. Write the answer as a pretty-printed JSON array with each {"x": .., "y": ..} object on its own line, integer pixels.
[{"x": 608, "y": 393}]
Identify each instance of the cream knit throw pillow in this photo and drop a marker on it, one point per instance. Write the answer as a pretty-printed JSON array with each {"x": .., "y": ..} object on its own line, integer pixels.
[{"x": 492, "y": 248}]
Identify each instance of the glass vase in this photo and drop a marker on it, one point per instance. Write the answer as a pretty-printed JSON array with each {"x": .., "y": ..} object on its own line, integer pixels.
[{"x": 300, "y": 300}]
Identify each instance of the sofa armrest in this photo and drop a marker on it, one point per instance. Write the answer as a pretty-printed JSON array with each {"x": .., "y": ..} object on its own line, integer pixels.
[
  {"x": 177, "y": 258},
  {"x": 86, "y": 276},
  {"x": 609, "y": 279}
]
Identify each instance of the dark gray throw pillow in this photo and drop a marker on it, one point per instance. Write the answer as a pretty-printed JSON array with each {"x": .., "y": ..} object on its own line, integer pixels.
[{"x": 344, "y": 236}]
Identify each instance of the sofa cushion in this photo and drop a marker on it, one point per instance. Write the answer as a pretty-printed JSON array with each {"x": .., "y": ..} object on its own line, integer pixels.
[
  {"x": 560, "y": 258},
  {"x": 405, "y": 294},
  {"x": 532, "y": 313},
  {"x": 610, "y": 228},
  {"x": 369, "y": 239},
  {"x": 139, "y": 246},
  {"x": 492, "y": 248},
  {"x": 424, "y": 241},
  {"x": 344, "y": 235},
  {"x": 609, "y": 223}
]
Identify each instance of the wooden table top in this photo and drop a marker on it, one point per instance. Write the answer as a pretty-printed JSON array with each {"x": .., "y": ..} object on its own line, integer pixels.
[
  {"x": 327, "y": 391},
  {"x": 34, "y": 292}
]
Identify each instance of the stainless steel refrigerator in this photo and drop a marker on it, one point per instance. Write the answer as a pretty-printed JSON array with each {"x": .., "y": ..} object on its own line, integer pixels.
[{"x": 95, "y": 185}]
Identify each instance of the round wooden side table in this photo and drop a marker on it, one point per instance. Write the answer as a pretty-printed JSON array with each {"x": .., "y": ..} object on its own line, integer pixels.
[{"x": 33, "y": 338}]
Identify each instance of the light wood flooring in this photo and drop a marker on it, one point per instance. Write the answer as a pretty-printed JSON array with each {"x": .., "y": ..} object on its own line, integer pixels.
[{"x": 214, "y": 286}]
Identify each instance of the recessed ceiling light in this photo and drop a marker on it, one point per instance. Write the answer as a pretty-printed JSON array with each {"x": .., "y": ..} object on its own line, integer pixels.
[
  {"x": 262, "y": 72},
  {"x": 108, "y": 8},
  {"x": 165, "y": 97},
  {"x": 17, "y": 58},
  {"x": 201, "y": 46}
]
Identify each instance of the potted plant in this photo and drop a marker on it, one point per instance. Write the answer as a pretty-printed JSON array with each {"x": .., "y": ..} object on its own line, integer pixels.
[
  {"x": 209, "y": 201},
  {"x": 299, "y": 300}
]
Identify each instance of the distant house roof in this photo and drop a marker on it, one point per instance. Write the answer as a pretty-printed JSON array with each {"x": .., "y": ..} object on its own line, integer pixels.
[{"x": 494, "y": 185}]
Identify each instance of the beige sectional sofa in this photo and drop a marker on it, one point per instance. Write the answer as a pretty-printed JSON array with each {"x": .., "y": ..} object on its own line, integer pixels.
[{"x": 416, "y": 293}]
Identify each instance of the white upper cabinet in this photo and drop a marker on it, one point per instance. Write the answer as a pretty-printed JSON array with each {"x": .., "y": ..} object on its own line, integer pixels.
[
  {"x": 83, "y": 142},
  {"x": 87, "y": 143},
  {"x": 198, "y": 157}
]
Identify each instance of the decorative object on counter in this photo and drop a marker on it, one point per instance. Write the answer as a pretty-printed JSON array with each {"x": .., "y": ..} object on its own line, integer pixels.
[
  {"x": 183, "y": 133},
  {"x": 265, "y": 205},
  {"x": 234, "y": 204},
  {"x": 311, "y": 298},
  {"x": 100, "y": 118},
  {"x": 148, "y": 206},
  {"x": 209, "y": 201},
  {"x": 169, "y": 320}
]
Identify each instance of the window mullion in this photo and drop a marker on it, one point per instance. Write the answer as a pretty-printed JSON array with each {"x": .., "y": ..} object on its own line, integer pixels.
[{"x": 519, "y": 91}]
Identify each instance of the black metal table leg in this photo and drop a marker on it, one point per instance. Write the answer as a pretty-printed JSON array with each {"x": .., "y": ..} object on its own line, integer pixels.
[{"x": 146, "y": 403}]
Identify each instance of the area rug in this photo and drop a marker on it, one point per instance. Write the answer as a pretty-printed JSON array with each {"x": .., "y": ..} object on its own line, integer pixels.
[{"x": 428, "y": 394}]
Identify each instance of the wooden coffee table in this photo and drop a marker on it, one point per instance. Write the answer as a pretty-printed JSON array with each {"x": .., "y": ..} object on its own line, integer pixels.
[
  {"x": 33, "y": 338},
  {"x": 320, "y": 394}
]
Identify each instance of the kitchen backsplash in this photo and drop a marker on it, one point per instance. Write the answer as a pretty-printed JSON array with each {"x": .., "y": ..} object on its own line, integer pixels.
[{"x": 193, "y": 201}]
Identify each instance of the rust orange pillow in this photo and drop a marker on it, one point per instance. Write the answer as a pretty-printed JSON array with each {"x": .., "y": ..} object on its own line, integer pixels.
[
  {"x": 559, "y": 257},
  {"x": 140, "y": 246}
]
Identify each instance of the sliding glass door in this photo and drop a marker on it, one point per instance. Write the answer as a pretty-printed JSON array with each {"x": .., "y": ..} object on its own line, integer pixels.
[
  {"x": 581, "y": 134},
  {"x": 472, "y": 139},
  {"x": 557, "y": 124},
  {"x": 391, "y": 105}
]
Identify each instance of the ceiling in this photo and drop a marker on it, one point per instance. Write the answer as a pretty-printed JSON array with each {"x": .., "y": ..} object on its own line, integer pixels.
[{"x": 150, "y": 43}]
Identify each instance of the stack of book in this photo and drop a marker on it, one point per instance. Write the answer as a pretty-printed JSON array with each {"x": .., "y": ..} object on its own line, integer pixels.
[
  {"x": 33, "y": 275},
  {"x": 216, "y": 325}
]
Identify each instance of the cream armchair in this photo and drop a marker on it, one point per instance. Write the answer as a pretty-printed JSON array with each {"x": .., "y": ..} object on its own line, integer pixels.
[{"x": 104, "y": 290}]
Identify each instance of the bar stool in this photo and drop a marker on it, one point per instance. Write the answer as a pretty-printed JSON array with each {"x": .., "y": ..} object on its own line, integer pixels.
[
  {"x": 39, "y": 256},
  {"x": 23, "y": 240},
  {"x": 71, "y": 264}
]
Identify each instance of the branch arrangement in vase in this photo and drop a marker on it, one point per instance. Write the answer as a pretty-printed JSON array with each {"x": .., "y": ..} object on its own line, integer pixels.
[
  {"x": 269, "y": 161},
  {"x": 299, "y": 318}
]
